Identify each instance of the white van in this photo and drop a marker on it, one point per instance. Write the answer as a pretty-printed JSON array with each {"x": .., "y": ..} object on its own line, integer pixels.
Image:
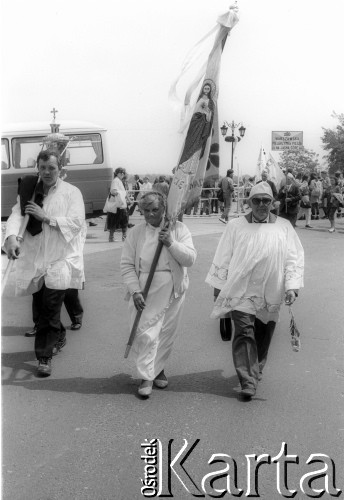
[{"x": 88, "y": 161}]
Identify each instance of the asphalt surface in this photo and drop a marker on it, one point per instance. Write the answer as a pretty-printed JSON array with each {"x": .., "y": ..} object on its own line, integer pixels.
[{"x": 77, "y": 434}]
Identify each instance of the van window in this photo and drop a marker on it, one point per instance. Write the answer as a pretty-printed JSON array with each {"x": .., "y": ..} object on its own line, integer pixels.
[
  {"x": 5, "y": 157},
  {"x": 83, "y": 149},
  {"x": 25, "y": 151}
]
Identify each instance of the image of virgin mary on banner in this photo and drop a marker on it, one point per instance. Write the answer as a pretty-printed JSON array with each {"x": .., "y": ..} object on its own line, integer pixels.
[
  {"x": 201, "y": 137},
  {"x": 200, "y": 125}
]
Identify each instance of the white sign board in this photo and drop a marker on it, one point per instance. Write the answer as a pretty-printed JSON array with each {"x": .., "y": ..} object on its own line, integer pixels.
[{"x": 286, "y": 140}]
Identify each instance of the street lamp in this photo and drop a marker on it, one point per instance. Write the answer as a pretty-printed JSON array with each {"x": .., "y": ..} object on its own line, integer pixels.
[{"x": 232, "y": 138}]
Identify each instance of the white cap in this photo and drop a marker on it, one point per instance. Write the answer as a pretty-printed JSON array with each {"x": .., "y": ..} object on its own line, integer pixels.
[{"x": 261, "y": 188}]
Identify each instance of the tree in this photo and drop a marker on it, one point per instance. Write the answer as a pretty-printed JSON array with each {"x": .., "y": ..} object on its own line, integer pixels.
[
  {"x": 303, "y": 160},
  {"x": 333, "y": 141}
]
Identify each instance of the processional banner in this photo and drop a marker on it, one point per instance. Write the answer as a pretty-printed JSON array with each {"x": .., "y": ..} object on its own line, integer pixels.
[
  {"x": 275, "y": 173},
  {"x": 199, "y": 157}
]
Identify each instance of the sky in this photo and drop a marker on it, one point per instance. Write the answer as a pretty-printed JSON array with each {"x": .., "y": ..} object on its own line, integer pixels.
[{"x": 112, "y": 63}]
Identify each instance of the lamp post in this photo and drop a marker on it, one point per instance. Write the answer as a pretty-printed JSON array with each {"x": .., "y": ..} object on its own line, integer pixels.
[{"x": 233, "y": 139}]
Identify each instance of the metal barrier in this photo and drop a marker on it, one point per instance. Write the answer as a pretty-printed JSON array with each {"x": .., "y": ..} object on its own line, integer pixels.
[{"x": 205, "y": 200}]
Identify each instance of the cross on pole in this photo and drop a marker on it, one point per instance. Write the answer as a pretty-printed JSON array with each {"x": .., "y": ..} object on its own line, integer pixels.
[{"x": 54, "y": 111}]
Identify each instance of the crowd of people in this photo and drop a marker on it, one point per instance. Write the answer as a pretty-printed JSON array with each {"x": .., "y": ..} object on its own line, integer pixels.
[
  {"x": 300, "y": 196},
  {"x": 257, "y": 266}
]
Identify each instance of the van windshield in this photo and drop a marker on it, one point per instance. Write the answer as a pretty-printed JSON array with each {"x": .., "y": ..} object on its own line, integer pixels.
[{"x": 84, "y": 149}]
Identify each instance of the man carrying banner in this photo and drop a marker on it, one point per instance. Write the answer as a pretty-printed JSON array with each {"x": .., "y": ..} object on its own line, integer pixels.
[
  {"x": 162, "y": 308},
  {"x": 50, "y": 258},
  {"x": 258, "y": 264}
]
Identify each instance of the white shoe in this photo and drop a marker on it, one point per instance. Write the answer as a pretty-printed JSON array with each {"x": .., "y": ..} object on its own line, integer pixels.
[
  {"x": 145, "y": 389},
  {"x": 332, "y": 230}
]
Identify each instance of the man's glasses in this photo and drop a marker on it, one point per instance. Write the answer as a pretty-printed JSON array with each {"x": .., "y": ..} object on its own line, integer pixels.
[{"x": 264, "y": 201}]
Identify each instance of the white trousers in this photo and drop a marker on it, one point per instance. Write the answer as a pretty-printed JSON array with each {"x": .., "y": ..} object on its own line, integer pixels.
[{"x": 160, "y": 319}]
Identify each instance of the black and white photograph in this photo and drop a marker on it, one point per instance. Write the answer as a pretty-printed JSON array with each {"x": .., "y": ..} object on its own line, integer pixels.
[{"x": 172, "y": 249}]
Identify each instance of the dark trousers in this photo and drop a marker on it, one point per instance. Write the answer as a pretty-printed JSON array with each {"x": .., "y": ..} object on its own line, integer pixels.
[
  {"x": 291, "y": 217},
  {"x": 250, "y": 346},
  {"x": 215, "y": 205},
  {"x": 132, "y": 208},
  {"x": 48, "y": 303},
  {"x": 315, "y": 208},
  {"x": 72, "y": 303}
]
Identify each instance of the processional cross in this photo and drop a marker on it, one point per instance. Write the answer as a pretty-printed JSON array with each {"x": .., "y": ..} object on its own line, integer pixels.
[{"x": 54, "y": 111}]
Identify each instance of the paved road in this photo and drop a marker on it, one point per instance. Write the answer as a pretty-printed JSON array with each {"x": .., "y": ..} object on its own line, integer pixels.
[{"x": 77, "y": 434}]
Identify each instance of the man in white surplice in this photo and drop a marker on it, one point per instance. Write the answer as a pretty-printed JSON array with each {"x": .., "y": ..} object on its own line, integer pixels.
[
  {"x": 258, "y": 263},
  {"x": 51, "y": 260}
]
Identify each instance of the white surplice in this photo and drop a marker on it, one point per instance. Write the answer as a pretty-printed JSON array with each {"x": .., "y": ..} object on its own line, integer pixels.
[{"x": 54, "y": 256}]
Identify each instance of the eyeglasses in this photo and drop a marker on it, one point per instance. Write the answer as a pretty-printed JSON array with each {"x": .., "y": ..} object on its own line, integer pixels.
[{"x": 264, "y": 201}]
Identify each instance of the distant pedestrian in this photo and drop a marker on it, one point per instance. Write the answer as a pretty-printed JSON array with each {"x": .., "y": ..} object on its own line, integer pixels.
[
  {"x": 335, "y": 200},
  {"x": 305, "y": 204},
  {"x": 192, "y": 206},
  {"x": 162, "y": 186},
  {"x": 136, "y": 188},
  {"x": 146, "y": 186},
  {"x": 206, "y": 196},
  {"x": 325, "y": 199},
  {"x": 227, "y": 186},
  {"x": 315, "y": 188},
  {"x": 119, "y": 218},
  {"x": 289, "y": 196}
]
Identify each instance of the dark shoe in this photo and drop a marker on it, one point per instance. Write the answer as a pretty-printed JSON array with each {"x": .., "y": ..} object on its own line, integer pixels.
[
  {"x": 248, "y": 392},
  {"x": 260, "y": 376},
  {"x": 92, "y": 224},
  {"x": 75, "y": 326},
  {"x": 44, "y": 367},
  {"x": 307, "y": 225},
  {"x": 145, "y": 389},
  {"x": 223, "y": 220},
  {"x": 31, "y": 333},
  {"x": 59, "y": 346},
  {"x": 124, "y": 237},
  {"x": 131, "y": 225},
  {"x": 161, "y": 381}
]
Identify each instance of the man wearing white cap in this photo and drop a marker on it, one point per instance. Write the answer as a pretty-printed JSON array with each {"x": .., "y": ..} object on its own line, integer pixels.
[{"x": 258, "y": 264}]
